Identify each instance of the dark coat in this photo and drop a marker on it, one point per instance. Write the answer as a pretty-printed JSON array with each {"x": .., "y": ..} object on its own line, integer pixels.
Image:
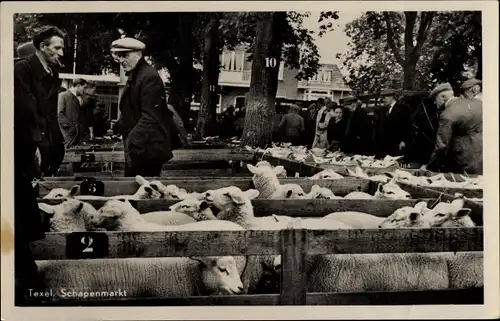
[
  {"x": 291, "y": 128},
  {"x": 335, "y": 133},
  {"x": 145, "y": 120},
  {"x": 459, "y": 142},
  {"x": 392, "y": 129},
  {"x": 35, "y": 125},
  {"x": 71, "y": 117},
  {"x": 35, "y": 116},
  {"x": 310, "y": 126},
  {"x": 358, "y": 133}
]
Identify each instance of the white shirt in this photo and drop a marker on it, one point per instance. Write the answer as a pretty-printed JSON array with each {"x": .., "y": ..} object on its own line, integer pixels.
[{"x": 390, "y": 107}]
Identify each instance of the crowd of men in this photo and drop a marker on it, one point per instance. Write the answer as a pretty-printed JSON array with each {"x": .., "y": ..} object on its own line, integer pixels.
[
  {"x": 47, "y": 121},
  {"x": 348, "y": 128}
]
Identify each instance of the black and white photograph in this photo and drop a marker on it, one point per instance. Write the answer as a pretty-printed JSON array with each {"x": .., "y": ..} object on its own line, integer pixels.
[{"x": 309, "y": 154}]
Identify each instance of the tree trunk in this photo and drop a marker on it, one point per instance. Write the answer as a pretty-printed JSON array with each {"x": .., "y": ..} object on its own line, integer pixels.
[
  {"x": 409, "y": 74},
  {"x": 208, "y": 109},
  {"x": 182, "y": 78},
  {"x": 264, "y": 81}
]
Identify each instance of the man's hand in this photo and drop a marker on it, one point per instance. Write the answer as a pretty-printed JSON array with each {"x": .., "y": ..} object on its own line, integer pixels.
[{"x": 402, "y": 146}]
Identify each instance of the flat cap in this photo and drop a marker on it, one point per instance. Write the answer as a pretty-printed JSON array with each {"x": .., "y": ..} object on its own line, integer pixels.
[
  {"x": 127, "y": 44},
  {"x": 471, "y": 82},
  {"x": 25, "y": 49},
  {"x": 349, "y": 99},
  {"x": 439, "y": 89}
]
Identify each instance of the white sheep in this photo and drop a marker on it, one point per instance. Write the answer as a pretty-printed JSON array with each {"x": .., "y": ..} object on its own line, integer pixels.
[
  {"x": 145, "y": 277},
  {"x": 71, "y": 215},
  {"x": 279, "y": 170},
  {"x": 357, "y": 220},
  {"x": 390, "y": 190},
  {"x": 268, "y": 185},
  {"x": 326, "y": 174},
  {"x": 218, "y": 199},
  {"x": 169, "y": 192},
  {"x": 187, "y": 211},
  {"x": 465, "y": 269},
  {"x": 318, "y": 192}
]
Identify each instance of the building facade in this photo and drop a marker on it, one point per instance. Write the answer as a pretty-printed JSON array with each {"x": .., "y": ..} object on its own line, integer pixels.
[{"x": 234, "y": 83}]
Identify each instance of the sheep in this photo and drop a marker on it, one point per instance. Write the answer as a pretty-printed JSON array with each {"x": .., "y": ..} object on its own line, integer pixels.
[
  {"x": 189, "y": 210},
  {"x": 217, "y": 198},
  {"x": 58, "y": 193},
  {"x": 268, "y": 185},
  {"x": 357, "y": 220},
  {"x": 169, "y": 192},
  {"x": 465, "y": 269},
  {"x": 406, "y": 217},
  {"x": 145, "y": 277},
  {"x": 69, "y": 216},
  {"x": 390, "y": 190},
  {"x": 318, "y": 192},
  {"x": 326, "y": 174},
  {"x": 279, "y": 170}
]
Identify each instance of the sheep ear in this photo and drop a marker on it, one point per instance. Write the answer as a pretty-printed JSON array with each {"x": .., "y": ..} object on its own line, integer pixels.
[
  {"x": 182, "y": 190},
  {"x": 74, "y": 190},
  {"x": 414, "y": 216},
  {"x": 46, "y": 208},
  {"x": 252, "y": 168},
  {"x": 252, "y": 193},
  {"x": 203, "y": 260},
  {"x": 236, "y": 198},
  {"x": 463, "y": 212},
  {"x": 140, "y": 180}
]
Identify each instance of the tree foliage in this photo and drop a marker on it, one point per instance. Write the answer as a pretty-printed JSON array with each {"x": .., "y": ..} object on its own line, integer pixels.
[{"x": 427, "y": 47}]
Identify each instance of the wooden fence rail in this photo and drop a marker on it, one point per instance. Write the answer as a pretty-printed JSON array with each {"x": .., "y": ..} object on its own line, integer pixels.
[{"x": 293, "y": 244}]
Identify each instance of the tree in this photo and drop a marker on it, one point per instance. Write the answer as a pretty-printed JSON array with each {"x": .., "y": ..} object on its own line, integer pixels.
[
  {"x": 264, "y": 80},
  {"x": 206, "y": 123}
]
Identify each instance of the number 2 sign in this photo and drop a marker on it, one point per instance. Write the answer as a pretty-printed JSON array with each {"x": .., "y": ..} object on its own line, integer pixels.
[{"x": 87, "y": 245}]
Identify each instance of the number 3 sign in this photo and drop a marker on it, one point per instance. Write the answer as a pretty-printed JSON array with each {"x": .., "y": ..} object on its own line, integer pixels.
[{"x": 87, "y": 245}]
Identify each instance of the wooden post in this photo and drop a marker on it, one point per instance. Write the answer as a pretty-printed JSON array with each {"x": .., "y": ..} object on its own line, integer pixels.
[{"x": 293, "y": 265}]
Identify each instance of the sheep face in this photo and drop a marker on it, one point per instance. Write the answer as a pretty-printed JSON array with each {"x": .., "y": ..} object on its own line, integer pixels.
[
  {"x": 293, "y": 191},
  {"x": 145, "y": 190},
  {"x": 67, "y": 216},
  {"x": 169, "y": 192},
  {"x": 405, "y": 217},
  {"x": 113, "y": 214},
  {"x": 391, "y": 191},
  {"x": 327, "y": 174},
  {"x": 318, "y": 192},
  {"x": 57, "y": 193},
  {"x": 227, "y": 197},
  {"x": 219, "y": 275},
  {"x": 199, "y": 210},
  {"x": 264, "y": 178},
  {"x": 449, "y": 215}
]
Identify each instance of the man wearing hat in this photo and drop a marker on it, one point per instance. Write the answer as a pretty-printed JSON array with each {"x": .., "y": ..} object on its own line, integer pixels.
[
  {"x": 394, "y": 128},
  {"x": 358, "y": 128},
  {"x": 292, "y": 126},
  {"x": 145, "y": 120},
  {"x": 459, "y": 141},
  {"x": 472, "y": 89}
]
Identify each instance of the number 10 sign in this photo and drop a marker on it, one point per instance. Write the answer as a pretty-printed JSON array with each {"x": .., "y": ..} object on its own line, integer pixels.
[{"x": 87, "y": 245}]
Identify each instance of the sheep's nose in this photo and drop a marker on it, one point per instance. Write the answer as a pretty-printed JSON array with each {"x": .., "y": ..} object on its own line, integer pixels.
[
  {"x": 240, "y": 289},
  {"x": 380, "y": 226}
]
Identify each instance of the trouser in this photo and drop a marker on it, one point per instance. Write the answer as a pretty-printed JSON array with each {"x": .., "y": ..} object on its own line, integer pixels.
[
  {"x": 149, "y": 168},
  {"x": 25, "y": 273}
]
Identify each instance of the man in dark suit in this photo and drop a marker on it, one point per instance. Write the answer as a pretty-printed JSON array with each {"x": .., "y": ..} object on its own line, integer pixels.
[
  {"x": 394, "y": 129},
  {"x": 71, "y": 114},
  {"x": 38, "y": 146},
  {"x": 145, "y": 121},
  {"x": 358, "y": 129}
]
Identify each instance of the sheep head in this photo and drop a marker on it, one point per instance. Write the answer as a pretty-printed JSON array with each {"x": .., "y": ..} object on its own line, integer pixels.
[
  {"x": 145, "y": 191},
  {"x": 199, "y": 210},
  {"x": 293, "y": 191},
  {"x": 327, "y": 174},
  {"x": 407, "y": 217},
  {"x": 68, "y": 216},
  {"x": 391, "y": 190},
  {"x": 229, "y": 197},
  {"x": 114, "y": 214},
  {"x": 318, "y": 192},
  {"x": 449, "y": 215},
  {"x": 62, "y": 192},
  {"x": 219, "y": 275}
]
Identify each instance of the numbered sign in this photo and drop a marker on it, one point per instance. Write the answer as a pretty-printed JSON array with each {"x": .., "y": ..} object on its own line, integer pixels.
[
  {"x": 270, "y": 62},
  {"x": 87, "y": 157},
  {"x": 92, "y": 187},
  {"x": 87, "y": 245}
]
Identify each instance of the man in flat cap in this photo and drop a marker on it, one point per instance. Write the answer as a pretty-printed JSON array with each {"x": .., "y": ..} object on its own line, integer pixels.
[
  {"x": 358, "y": 128},
  {"x": 459, "y": 141},
  {"x": 472, "y": 89},
  {"x": 145, "y": 121},
  {"x": 394, "y": 131}
]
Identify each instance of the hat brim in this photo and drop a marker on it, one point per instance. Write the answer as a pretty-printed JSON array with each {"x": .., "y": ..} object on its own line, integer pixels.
[{"x": 124, "y": 49}]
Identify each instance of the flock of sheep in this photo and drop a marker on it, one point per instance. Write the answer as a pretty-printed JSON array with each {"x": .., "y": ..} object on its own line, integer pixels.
[{"x": 230, "y": 208}]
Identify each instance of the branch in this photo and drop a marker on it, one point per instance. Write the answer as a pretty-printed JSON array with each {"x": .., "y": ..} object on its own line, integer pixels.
[
  {"x": 411, "y": 17},
  {"x": 390, "y": 39},
  {"x": 423, "y": 31}
]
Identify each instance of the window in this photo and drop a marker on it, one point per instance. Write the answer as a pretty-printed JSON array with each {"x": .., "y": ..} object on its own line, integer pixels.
[{"x": 239, "y": 102}]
